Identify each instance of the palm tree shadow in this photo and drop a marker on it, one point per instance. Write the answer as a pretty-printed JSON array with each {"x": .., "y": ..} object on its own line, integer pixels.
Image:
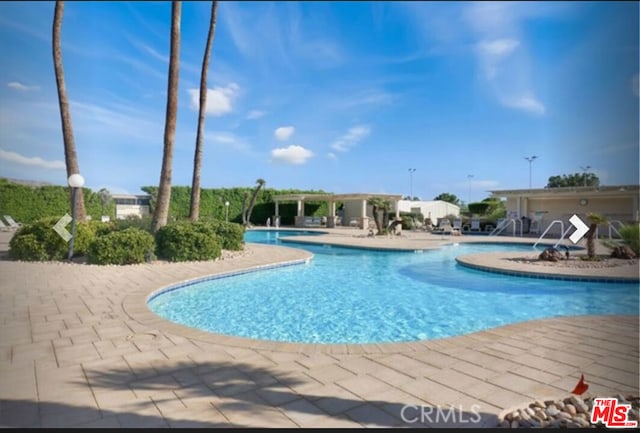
[{"x": 248, "y": 392}]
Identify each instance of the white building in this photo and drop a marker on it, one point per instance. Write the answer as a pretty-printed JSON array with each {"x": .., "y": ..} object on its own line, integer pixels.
[
  {"x": 128, "y": 204},
  {"x": 434, "y": 209}
]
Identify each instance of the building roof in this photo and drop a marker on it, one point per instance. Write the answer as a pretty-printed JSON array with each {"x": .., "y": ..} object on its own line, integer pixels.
[
  {"x": 334, "y": 197},
  {"x": 613, "y": 190}
]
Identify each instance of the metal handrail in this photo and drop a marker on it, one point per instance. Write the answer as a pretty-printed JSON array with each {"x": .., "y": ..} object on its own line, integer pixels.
[
  {"x": 611, "y": 227},
  {"x": 549, "y": 228},
  {"x": 504, "y": 225}
]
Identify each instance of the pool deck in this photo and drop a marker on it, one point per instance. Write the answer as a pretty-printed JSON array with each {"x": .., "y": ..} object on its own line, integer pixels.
[{"x": 78, "y": 348}]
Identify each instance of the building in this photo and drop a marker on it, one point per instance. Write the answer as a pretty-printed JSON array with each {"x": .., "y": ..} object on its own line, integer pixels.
[
  {"x": 543, "y": 206},
  {"x": 433, "y": 209},
  {"x": 128, "y": 205}
]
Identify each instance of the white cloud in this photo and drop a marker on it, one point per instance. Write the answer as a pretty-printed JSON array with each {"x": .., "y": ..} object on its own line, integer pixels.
[
  {"x": 293, "y": 154},
  {"x": 283, "y": 133},
  {"x": 498, "y": 47},
  {"x": 16, "y": 85},
  {"x": 526, "y": 103},
  {"x": 332, "y": 155},
  {"x": 219, "y": 99},
  {"x": 255, "y": 114},
  {"x": 228, "y": 139},
  {"x": 351, "y": 138},
  {"x": 34, "y": 161},
  {"x": 635, "y": 85}
]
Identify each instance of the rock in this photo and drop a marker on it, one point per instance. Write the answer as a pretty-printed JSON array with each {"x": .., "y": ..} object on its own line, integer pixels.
[
  {"x": 551, "y": 411},
  {"x": 579, "y": 404},
  {"x": 582, "y": 422},
  {"x": 524, "y": 415},
  {"x": 570, "y": 409},
  {"x": 623, "y": 252},
  {"x": 530, "y": 412},
  {"x": 505, "y": 424},
  {"x": 551, "y": 255},
  {"x": 541, "y": 414},
  {"x": 560, "y": 404},
  {"x": 515, "y": 424},
  {"x": 563, "y": 415}
]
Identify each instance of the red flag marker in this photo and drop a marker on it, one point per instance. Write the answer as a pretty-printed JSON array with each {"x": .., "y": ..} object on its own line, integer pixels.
[{"x": 581, "y": 387}]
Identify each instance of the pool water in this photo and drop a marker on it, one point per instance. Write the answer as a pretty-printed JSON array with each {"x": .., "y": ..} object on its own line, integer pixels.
[{"x": 349, "y": 295}]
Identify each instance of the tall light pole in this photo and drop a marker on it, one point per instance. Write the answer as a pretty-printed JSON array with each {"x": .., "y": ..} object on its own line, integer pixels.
[
  {"x": 469, "y": 176},
  {"x": 411, "y": 170},
  {"x": 226, "y": 211},
  {"x": 75, "y": 181},
  {"x": 530, "y": 159},
  {"x": 584, "y": 176}
]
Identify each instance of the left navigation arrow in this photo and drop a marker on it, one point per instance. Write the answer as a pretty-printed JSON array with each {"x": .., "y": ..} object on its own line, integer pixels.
[{"x": 59, "y": 227}]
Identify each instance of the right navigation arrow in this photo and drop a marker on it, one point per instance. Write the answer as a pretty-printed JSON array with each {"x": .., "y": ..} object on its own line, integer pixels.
[{"x": 581, "y": 228}]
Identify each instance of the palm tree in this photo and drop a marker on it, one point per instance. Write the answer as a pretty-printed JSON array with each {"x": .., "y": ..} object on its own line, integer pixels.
[
  {"x": 259, "y": 184},
  {"x": 197, "y": 159},
  {"x": 378, "y": 204},
  {"x": 70, "y": 156},
  {"x": 595, "y": 221},
  {"x": 164, "y": 189}
]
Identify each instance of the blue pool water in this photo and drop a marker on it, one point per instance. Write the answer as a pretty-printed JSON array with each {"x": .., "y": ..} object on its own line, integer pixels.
[{"x": 348, "y": 295}]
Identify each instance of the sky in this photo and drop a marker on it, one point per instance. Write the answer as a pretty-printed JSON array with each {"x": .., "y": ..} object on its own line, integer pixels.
[{"x": 411, "y": 98}]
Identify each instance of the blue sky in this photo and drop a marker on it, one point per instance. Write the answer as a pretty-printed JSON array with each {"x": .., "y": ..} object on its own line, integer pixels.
[{"x": 339, "y": 96}]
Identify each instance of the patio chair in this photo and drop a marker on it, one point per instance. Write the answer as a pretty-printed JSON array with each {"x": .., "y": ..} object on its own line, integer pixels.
[
  {"x": 11, "y": 221},
  {"x": 444, "y": 227},
  {"x": 456, "y": 229},
  {"x": 475, "y": 225},
  {"x": 4, "y": 227}
]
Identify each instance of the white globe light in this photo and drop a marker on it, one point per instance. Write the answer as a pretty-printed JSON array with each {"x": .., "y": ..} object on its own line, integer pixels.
[
  {"x": 226, "y": 203},
  {"x": 76, "y": 181}
]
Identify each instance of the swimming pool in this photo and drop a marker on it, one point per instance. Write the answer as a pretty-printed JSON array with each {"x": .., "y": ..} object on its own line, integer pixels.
[{"x": 349, "y": 295}]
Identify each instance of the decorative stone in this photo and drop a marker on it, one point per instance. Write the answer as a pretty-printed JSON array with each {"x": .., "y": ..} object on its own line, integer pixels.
[
  {"x": 579, "y": 404},
  {"x": 515, "y": 424},
  {"x": 563, "y": 415},
  {"x": 570, "y": 409},
  {"x": 623, "y": 252},
  {"x": 559, "y": 404},
  {"x": 505, "y": 424},
  {"x": 530, "y": 411},
  {"x": 551, "y": 410},
  {"x": 541, "y": 414}
]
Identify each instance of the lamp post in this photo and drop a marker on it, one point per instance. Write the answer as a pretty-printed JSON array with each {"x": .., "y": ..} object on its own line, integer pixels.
[
  {"x": 469, "y": 176},
  {"x": 584, "y": 176},
  {"x": 411, "y": 170},
  {"x": 226, "y": 211},
  {"x": 75, "y": 181},
  {"x": 530, "y": 159}
]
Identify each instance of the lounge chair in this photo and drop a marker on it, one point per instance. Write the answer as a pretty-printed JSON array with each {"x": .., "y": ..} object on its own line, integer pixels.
[
  {"x": 475, "y": 225},
  {"x": 5, "y": 228},
  {"x": 456, "y": 229},
  {"x": 11, "y": 222},
  {"x": 444, "y": 227}
]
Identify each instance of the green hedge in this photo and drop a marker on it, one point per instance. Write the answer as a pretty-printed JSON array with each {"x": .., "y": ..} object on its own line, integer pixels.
[
  {"x": 28, "y": 204},
  {"x": 39, "y": 242},
  {"x": 124, "y": 247},
  {"x": 231, "y": 234},
  {"x": 187, "y": 241}
]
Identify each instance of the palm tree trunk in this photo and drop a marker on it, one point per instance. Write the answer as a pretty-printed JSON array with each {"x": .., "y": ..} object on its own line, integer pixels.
[
  {"x": 70, "y": 156},
  {"x": 591, "y": 244},
  {"x": 194, "y": 213},
  {"x": 252, "y": 203},
  {"x": 164, "y": 189}
]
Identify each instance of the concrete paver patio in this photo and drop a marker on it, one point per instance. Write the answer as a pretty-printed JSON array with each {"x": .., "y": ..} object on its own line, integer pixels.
[{"x": 78, "y": 348}]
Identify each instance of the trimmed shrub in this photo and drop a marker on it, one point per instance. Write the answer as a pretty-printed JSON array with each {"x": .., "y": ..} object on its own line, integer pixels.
[
  {"x": 631, "y": 236},
  {"x": 186, "y": 241},
  {"x": 231, "y": 234},
  {"x": 143, "y": 223},
  {"x": 124, "y": 247},
  {"x": 479, "y": 208},
  {"x": 44, "y": 243}
]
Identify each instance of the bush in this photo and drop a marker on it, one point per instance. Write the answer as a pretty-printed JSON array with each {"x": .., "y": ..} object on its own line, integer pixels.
[
  {"x": 479, "y": 208},
  {"x": 124, "y": 247},
  {"x": 143, "y": 223},
  {"x": 631, "y": 236},
  {"x": 42, "y": 243},
  {"x": 231, "y": 234},
  {"x": 185, "y": 241},
  {"x": 409, "y": 219}
]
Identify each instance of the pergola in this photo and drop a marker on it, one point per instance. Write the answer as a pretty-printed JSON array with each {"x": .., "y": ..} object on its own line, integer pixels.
[{"x": 331, "y": 199}]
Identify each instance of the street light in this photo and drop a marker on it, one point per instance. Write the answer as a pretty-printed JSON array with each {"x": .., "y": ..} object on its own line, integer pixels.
[
  {"x": 75, "y": 181},
  {"x": 584, "y": 176},
  {"x": 530, "y": 159},
  {"x": 411, "y": 170},
  {"x": 226, "y": 211},
  {"x": 469, "y": 176}
]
